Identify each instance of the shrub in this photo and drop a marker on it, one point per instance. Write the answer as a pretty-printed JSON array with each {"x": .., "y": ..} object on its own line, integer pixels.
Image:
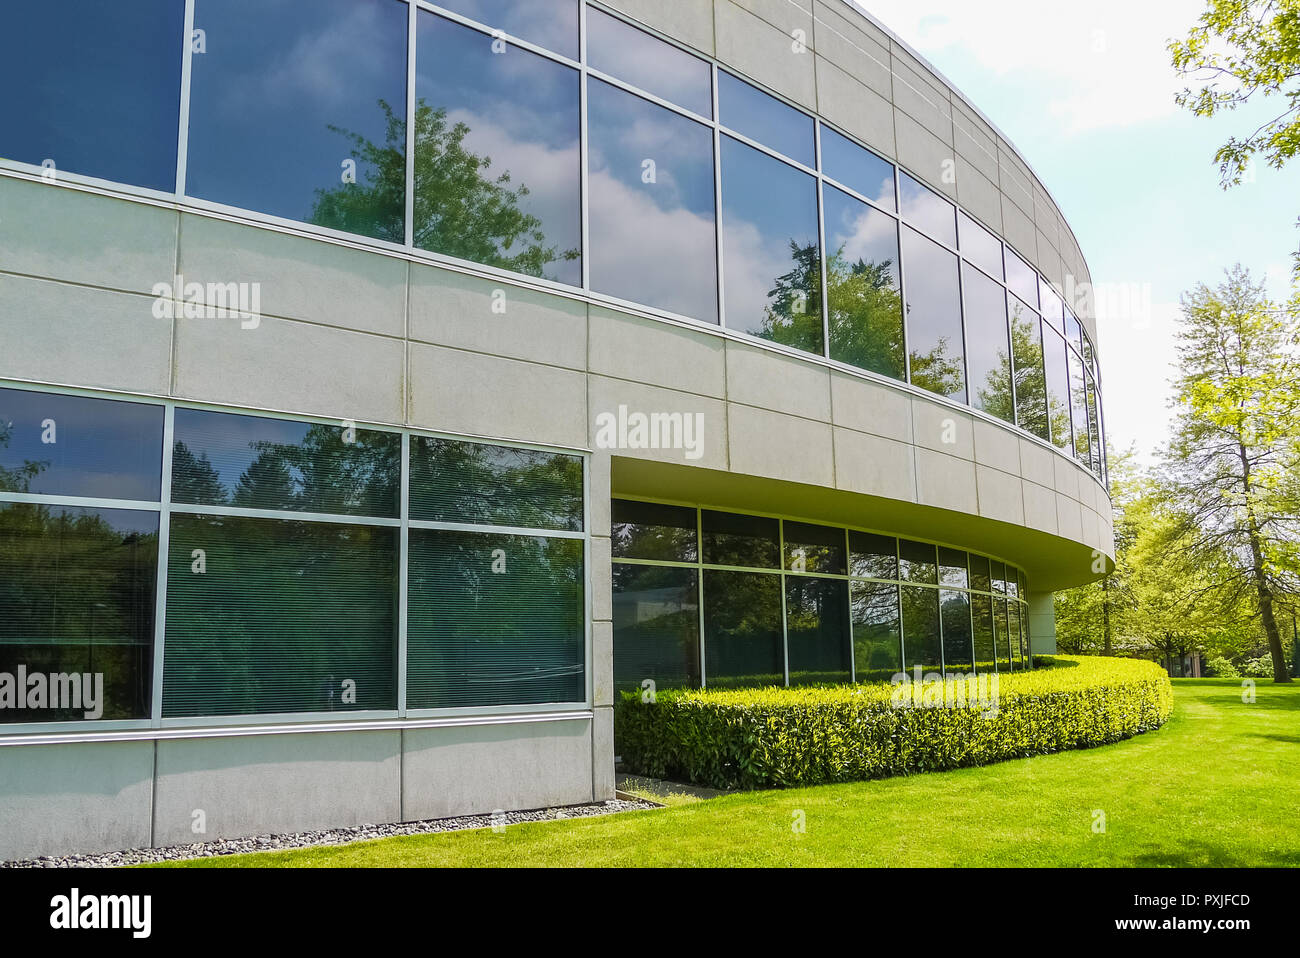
[
  {"x": 754, "y": 738},
  {"x": 1221, "y": 668}
]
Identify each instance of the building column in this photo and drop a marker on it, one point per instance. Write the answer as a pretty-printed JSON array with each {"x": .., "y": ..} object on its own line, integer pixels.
[
  {"x": 602, "y": 630},
  {"x": 1042, "y": 623}
]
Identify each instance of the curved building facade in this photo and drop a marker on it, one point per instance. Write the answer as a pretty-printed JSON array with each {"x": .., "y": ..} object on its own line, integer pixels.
[{"x": 386, "y": 384}]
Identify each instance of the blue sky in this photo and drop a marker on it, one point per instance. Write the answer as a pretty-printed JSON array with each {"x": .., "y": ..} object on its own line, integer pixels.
[{"x": 1085, "y": 91}]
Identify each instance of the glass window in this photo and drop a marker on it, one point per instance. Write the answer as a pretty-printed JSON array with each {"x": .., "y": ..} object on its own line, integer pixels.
[
  {"x": 731, "y": 539},
  {"x": 862, "y": 288},
  {"x": 1027, "y": 358},
  {"x": 877, "y": 645},
  {"x": 94, "y": 88},
  {"x": 765, "y": 119},
  {"x": 77, "y": 594},
  {"x": 1050, "y": 305},
  {"x": 979, "y": 573},
  {"x": 742, "y": 629},
  {"x": 1079, "y": 409},
  {"x": 952, "y": 568},
  {"x": 1094, "y": 427},
  {"x": 999, "y": 577},
  {"x": 1022, "y": 279},
  {"x": 1073, "y": 331},
  {"x": 454, "y": 481},
  {"x": 1007, "y": 653},
  {"x": 656, "y": 627},
  {"x": 278, "y": 615},
  {"x": 980, "y": 246},
  {"x": 982, "y": 617},
  {"x": 55, "y": 445},
  {"x": 988, "y": 350},
  {"x": 1024, "y": 585},
  {"x": 1013, "y": 583},
  {"x": 922, "y": 645},
  {"x": 934, "y": 334},
  {"x": 857, "y": 168},
  {"x": 771, "y": 256},
  {"x": 927, "y": 210},
  {"x": 810, "y": 548},
  {"x": 299, "y": 110},
  {"x": 873, "y": 556},
  {"x": 551, "y": 24},
  {"x": 1013, "y": 630},
  {"x": 222, "y": 459},
  {"x": 1058, "y": 387},
  {"x": 494, "y": 620},
  {"x": 497, "y": 160},
  {"x": 635, "y": 57},
  {"x": 956, "y": 617},
  {"x": 916, "y": 561},
  {"x": 651, "y": 212},
  {"x": 648, "y": 530},
  {"x": 817, "y": 630}
]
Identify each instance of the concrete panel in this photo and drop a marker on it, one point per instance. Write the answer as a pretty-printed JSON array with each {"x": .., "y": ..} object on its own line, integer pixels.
[
  {"x": 599, "y": 480},
  {"x": 59, "y": 233},
  {"x": 1037, "y": 463},
  {"x": 477, "y": 769},
  {"x": 607, "y": 395},
  {"x": 689, "y": 23},
  {"x": 943, "y": 429},
  {"x": 282, "y": 364},
  {"x": 925, "y": 155},
  {"x": 874, "y": 466},
  {"x": 1001, "y": 495},
  {"x": 974, "y": 140},
  {"x": 777, "y": 446},
  {"x": 854, "y": 51},
  {"x": 978, "y": 194},
  {"x": 869, "y": 407},
  {"x": 945, "y": 481},
  {"x": 1042, "y": 623},
  {"x": 1066, "y": 476},
  {"x": 853, "y": 107},
  {"x": 771, "y": 380},
  {"x": 486, "y": 316},
  {"x": 74, "y": 799},
  {"x": 661, "y": 354},
  {"x": 1018, "y": 229},
  {"x": 602, "y": 663},
  {"x": 1040, "y": 508},
  {"x": 457, "y": 391},
  {"x": 762, "y": 51},
  {"x": 1069, "y": 518},
  {"x": 257, "y": 784},
  {"x": 602, "y": 608},
  {"x": 299, "y": 278},
  {"x": 602, "y": 755},
  {"x": 997, "y": 447},
  {"x": 922, "y": 102},
  {"x": 786, "y": 15},
  {"x": 84, "y": 337}
]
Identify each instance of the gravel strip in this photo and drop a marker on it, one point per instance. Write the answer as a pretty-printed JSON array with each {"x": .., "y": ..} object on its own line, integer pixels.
[{"x": 333, "y": 836}]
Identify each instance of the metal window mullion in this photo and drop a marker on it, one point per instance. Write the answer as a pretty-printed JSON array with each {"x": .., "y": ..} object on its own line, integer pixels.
[
  {"x": 412, "y": 25},
  {"x": 848, "y": 589},
  {"x": 403, "y": 574},
  {"x": 183, "y": 121},
  {"x": 699, "y": 585},
  {"x": 493, "y": 32},
  {"x": 247, "y": 513},
  {"x": 785, "y": 634},
  {"x": 164, "y": 550},
  {"x": 584, "y": 185},
  {"x": 902, "y": 294},
  {"x": 588, "y": 616},
  {"x": 717, "y": 213},
  {"x": 821, "y": 243},
  {"x": 491, "y": 529}
]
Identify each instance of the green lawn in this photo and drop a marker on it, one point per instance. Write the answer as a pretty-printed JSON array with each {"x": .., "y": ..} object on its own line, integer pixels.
[{"x": 1218, "y": 785}]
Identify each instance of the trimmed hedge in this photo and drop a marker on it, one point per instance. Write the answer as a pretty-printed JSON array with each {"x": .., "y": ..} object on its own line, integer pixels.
[{"x": 785, "y": 737}]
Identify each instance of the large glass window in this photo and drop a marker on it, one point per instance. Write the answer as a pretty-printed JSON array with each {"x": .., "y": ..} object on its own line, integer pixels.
[
  {"x": 299, "y": 110},
  {"x": 1016, "y": 634},
  {"x": 94, "y": 88},
  {"x": 634, "y": 56},
  {"x": 810, "y": 548},
  {"x": 1058, "y": 387},
  {"x": 917, "y": 561},
  {"x": 765, "y": 119},
  {"x": 654, "y": 168},
  {"x": 817, "y": 630},
  {"x": 982, "y": 618},
  {"x": 656, "y": 626},
  {"x": 873, "y": 556},
  {"x": 979, "y": 245},
  {"x": 956, "y": 617},
  {"x": 927, "y": 210},
  {"x": 497, "y": 160},
  {"x": 1094, "y": 427},
  {"x": 1027, "y": 359},
  {"x": 988, "y": 350},
  {"x": 552, "y": 24},
  {"x": 922, "y": 645},
  {"x": 934, "y": 333},
  {"x": 1021, "y": 279},
  {"x": 862, "y": 285},
  {"x": 877, "y": 641},
  {"x": 736, "y": 540},
  {"x": 771, "y": 257},
  {"x": 648, "y": 530},
  {"x": 1050, "y": 305},
  {"x": 858, "y": 169},
  {"x": 742, "y": 629},
  {"x": 952, "y": 568},
  {"x": 77, "y": 601},
  {"x": 1007, "y": 652},
  {"x": 1079, "y": 409}
]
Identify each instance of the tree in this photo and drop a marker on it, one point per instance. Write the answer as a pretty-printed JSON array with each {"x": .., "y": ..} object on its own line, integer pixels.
[{"x": 1232, "y": 460}]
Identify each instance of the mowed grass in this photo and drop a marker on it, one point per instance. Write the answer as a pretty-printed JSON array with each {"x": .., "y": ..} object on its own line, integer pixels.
[{"x": 1218, "y": 785}]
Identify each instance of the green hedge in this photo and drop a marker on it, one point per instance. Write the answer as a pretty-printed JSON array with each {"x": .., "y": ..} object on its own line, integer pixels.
[{"x": 758, "y": 738}]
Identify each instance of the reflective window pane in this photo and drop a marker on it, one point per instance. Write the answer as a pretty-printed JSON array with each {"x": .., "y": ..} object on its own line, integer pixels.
[
  {"x": 857, "y": 168},
  {"x": 649, "y": 530},
  {"x": 979, "y": 245},
  {"x": 742, "y": 629},
  {"x": 494, "y": 620},
  {"x": 635, "y": 57},
  {"x": 916, "y": 561},
  {"x": 551, "y": 24},
  {"x": 1015, "y": 636},
  {"x": 77, "y": 598},
  {"x": 453, "y": 481},
  {"x": 999, "y": 577},
  {"x": 1052, "y": 308},
  {"x": 771, "y": 259},
  {"x": 731, "y": 539},
  {"x": 817, "y": 630},
  {"x": 873, "y": 556},
  {"x": 1022, "y": 279},
  {"x": 934, "y": 334},
  {"x": 1027, "y": 359},
  {"x": 1007, "y": 652},
  {"x": 651, "y": 212},
  {"x": 94, "y": 88},
  {"x": 988, "y": 349},
  {"x": 810, "y": 548},
  {"x": 922, "y": 645},
  {"x": 927, "y": 210},
  {"x": 285, "y": 616},
  {"x": 1079, "y": 409},
  {"x": 57, "y": 445},
  {"x": 956, "y": 617},
  {"x": 862, "y": 288},
  {"x": 980, "y": 577},
  {"x": 497, "y": 160},
  {"x": 299, "y": 110},
  {"x": 1074, "y": 332},
  {"x": 1094, "y": 428},
  {"x": 877, "y": 640},
  {"x": 982, "y": 617},
  {"x": 1058, "y": 387},
  {"x": 656, "y": 627},
  {"x": 765, "y": 119},
  {"x": 952, "y": 568}
]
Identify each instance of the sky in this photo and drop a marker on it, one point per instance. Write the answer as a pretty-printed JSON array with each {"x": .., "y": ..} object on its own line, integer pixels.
[{"x": 1085, "y": 91}]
